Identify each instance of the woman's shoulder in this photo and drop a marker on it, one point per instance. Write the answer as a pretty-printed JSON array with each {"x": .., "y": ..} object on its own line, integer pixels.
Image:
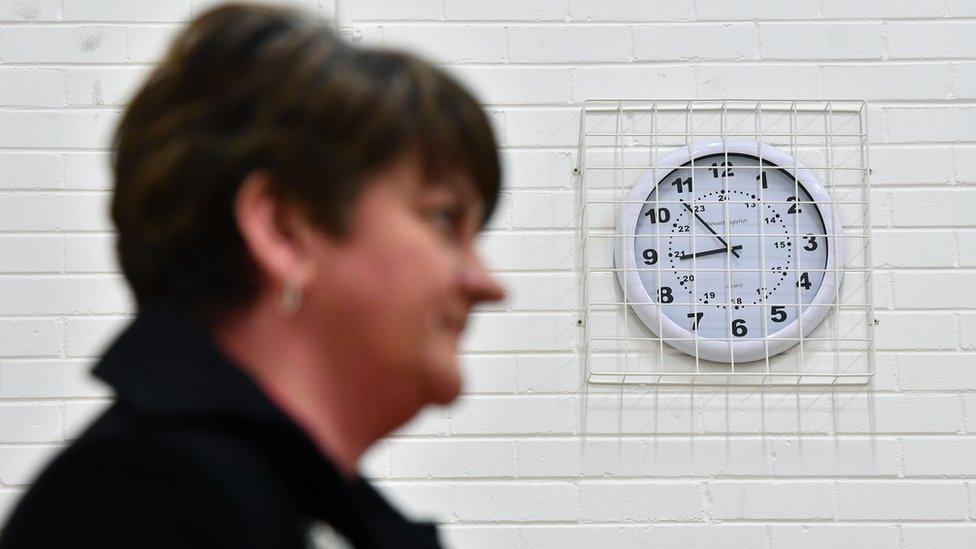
[{"x": 125, "y": 479}]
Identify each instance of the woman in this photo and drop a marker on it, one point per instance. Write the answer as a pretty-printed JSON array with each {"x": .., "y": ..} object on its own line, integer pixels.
[{"x": 296, "y": 218}]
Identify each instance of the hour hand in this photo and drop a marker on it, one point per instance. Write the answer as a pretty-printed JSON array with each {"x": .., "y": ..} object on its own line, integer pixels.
[
  {"x": 711, "y": 230},
  {"x": 710, "y": 252}
]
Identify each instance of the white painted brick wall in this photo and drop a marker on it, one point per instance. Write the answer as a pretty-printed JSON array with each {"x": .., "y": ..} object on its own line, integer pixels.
[{"x": 530, "y": 457}]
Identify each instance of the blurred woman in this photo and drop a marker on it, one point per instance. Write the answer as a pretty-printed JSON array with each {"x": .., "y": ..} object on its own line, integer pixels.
[{"x": 296, "y": 217}]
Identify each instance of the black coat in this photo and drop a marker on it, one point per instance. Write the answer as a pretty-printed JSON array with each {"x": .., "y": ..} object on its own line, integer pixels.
[{"x": 193, "y": 454}]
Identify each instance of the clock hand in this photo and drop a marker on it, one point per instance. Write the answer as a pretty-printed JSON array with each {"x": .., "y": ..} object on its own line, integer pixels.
[
  {"x": 720, "y": 239},
  {"x": 710, "y": 252}
]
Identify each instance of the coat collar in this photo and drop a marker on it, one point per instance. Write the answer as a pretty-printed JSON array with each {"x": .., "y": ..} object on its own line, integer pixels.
[{"x": 164, "y": 364}]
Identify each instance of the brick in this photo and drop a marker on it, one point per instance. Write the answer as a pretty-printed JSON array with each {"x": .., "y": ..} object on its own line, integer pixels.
[
  {"x": 64, "y": 295},
  {"x": 87, "y": 170},
  {"x": 770, "y": 500},
  {"x": 963, "y": 82},
  {"x": 516, "y": 85},
  {"x": 930, "y": 39},
  {"x": 820, "y": 457},
  {"x": 632, "y": 81},
  {"x": 611, "y": 413},
  {"x": 30, "y": 337},
  {"x": 531, "y": 169},
  {"x": 873, "y": 9},
  {"x": 35, "y": 10},
  {"x": 575, "y": 457},
  {"x": 478, "y": 415},
  {"x": 915, "y": 331},
  {"x": 963, "y": 165},
  {"x": 547, "y": 373},
  {"x": 898, "y": 413},
  {"x": 30, "y": 170},
  {"x": 448, "y": 42},
  {"x": 30, "y": 254},
  {"x": 91, "y": 254},
  {"x": 48, "y": 129},
  {"x": 901, "y": 500},
  {"x": 533, "y": 127},
  {"x": 123, "y": 11},
  {"x": 938, "y": 457},
  {"x": 640, "y": 500},
  {"x": 722, "y": 412},
  {"x": 568, "y": 44},
  {"x": 78, "y": 416},
  {"x": 888, "y": 81},
  {"x": 96, "y": 87},
  {"x": 631, "y": 10},
  {"x": 911, "y": 166},
  {"x": 396, "y": 10},
  {"x": 695, "y": 41},
  {"x": 506, "y": 10},
  {"x": 516, "y": 501},
  {"x": 429, "y": 421},
  {"x": 967, "y": 331},
  {"x": 54, "y": 211},
  {"x": 20, "y": 464},
  {"x": 751, "y": 11},
  {"x": 542, "y": 291},
  {"x": 30, "y": 423},
  {"x": 63, "y": 44},
  {"x": 762, "y": 81},
  {"x": 452, "y": 458},
  {"x": 916, "y": 290},
  {"x": 8, "y": 500},
  {"x": 913, "y": 249},
  {"x": 91, "y": 336},
  {"x": 49, "y": 379},
  {"x": 846, "y": 536},
  {"x": 942, "y": 207},
  {"x": 426, "y": 501},
  {"x": 149, "y": 43},
  {"x": 944, "y": 536},
  {"x": 936, "y": 372},
  {"x": 820, "y": 40},
  {"x": 912, "y": 124},
  {"x": 529, "y": 251},
  {"x": 488, "y": 374},
  {"x": 31, "y": 88}
]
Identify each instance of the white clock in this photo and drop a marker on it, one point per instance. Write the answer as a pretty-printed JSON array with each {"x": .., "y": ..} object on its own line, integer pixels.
[{"x": 732, "y": 260}]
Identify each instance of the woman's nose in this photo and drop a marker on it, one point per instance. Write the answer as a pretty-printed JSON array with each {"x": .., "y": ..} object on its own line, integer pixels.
[{"x": 478, "y": 283}]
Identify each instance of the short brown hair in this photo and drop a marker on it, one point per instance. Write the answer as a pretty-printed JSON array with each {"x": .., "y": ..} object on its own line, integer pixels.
[{"x": 247, "y": 87}]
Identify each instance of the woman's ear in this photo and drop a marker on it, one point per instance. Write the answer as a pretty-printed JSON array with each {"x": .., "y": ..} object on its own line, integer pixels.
[{"x": 277, "y": 235}]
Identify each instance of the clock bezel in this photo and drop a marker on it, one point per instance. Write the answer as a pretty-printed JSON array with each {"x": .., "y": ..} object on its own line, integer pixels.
[{"x": 648, "y": 310}]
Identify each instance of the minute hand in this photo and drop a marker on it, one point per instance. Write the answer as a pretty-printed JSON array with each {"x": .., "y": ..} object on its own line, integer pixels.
[{"x": 720, "y": 239}]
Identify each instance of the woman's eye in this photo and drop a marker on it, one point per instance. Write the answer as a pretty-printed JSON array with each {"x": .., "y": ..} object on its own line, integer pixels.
[{"x": 446, "y": 219}]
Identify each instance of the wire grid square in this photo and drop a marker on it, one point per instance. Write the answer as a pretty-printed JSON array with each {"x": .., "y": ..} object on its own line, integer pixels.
[{"x": 621, "y": 140}]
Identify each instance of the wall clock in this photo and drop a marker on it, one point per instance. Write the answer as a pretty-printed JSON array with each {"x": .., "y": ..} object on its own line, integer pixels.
[{"x": 726, "y": 257}]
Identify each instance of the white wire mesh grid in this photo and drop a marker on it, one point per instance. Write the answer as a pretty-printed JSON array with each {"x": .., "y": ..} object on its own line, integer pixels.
[{"x": 622, "y": 142}]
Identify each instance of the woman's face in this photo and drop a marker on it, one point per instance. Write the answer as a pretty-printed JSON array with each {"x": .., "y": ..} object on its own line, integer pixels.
[{"x": 394, "y": 293}]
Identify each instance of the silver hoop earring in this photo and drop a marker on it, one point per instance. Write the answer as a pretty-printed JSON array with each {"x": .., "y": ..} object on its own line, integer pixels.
[{"x": 291, "y": 298}]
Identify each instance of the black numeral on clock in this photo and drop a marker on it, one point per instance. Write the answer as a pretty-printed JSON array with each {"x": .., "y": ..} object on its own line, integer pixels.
[
  {"x": 778, "y": 313},
  {"x": 664, "y": 294},
  {"x": 680, "y": 184},
  {"x": 739, "y": 327},
  {"x": 697, "y": 318},
  {"x": 650, "y": 256},
  {"x": 793, "y": 209},
  {"x": 804, "y": 281},
  {"x": 811, "y": 244},
  {"x": 662, "y": 215},
  {"x": 762, "y": 177},
  {"x": 727, "y": 172}
]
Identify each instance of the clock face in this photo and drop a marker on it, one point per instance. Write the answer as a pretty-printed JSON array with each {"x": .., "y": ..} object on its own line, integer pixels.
[
  {"x": 735, "y": 262},
  {"x": 766, "y": 259}
]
